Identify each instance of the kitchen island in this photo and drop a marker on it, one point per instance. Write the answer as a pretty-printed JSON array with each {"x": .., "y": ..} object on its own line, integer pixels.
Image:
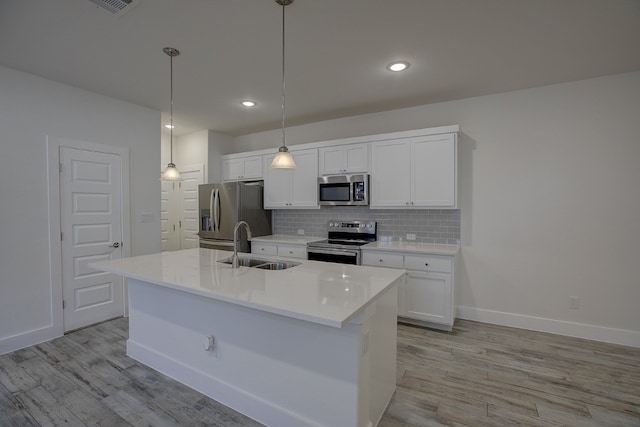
[{"x": 311, "y": 345}]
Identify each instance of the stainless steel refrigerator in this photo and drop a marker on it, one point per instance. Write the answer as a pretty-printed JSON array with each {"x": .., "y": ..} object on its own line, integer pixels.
[{"x": 223, "y": 205}]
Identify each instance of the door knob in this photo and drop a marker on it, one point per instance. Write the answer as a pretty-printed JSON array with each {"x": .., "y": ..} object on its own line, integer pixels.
[{"x": 115, "y": 245}]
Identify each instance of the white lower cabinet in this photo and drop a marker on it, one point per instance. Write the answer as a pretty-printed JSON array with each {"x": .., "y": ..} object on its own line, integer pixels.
[
  {"x": 289, "y": 250},
  {"x": 264, "y": 248},
  {"x": 426, "y": 295}
]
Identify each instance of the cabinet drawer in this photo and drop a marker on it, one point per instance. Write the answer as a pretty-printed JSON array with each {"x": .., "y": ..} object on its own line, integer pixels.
[
  {"x": 378, "y": 259},
  {"x": 263, "y": 248},
  {"x": 292, "y": 251},
  {"x": 428, "y": 263}
]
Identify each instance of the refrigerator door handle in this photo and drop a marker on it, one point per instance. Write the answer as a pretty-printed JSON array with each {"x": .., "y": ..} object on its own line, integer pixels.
[
  {"x": 213, "y": 226},
  {"x": 216, "y": 210}
]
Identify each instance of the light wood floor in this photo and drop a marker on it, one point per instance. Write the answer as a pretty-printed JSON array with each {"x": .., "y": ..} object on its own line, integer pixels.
[{"x": 479, "y": 375}]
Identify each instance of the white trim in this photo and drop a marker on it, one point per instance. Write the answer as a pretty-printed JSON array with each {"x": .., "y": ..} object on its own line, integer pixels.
[
  {"x": 560, "y": 327},
  {"x": 228, "y": 394},
  {"x": 55, "y": 247},
  {"x": 29, "y": 338},
  {"x": 353, "y": 140}
]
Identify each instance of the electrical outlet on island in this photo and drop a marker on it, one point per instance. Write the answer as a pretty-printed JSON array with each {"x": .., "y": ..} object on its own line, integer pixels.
[{"x": 574, "y": 302}]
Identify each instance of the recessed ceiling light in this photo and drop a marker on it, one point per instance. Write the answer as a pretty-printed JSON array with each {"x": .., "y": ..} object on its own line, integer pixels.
[
  {"x": 398, "y": 66},
  {"x": 170, "y": 126},
  {"x": 249, "y": 103}
]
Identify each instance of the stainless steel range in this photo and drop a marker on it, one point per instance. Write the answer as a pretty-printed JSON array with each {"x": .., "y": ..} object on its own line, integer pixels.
[{"x": 343, "y": 244}]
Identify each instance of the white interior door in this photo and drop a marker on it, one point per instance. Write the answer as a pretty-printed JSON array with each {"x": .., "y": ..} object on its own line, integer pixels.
[
  {"x": 169, "y": 231},
  {"x": 91, "y": 225},
  {"x": 189, "y": 222}
]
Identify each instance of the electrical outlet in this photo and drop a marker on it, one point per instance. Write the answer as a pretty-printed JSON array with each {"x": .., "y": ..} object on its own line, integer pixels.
[
  {"x": 411, "y": 236},
  {"x": 300, "y": 232},
  {"x": 574, "y": 302}
]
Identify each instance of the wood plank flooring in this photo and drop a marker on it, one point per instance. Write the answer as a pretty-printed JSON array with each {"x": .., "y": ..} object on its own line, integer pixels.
[{"x": 478, "y": 375}]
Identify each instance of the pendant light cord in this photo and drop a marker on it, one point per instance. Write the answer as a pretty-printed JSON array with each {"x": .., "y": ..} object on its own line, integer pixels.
[
  {"x": 283, "y": 85},
  {"x": 171, "y": 110}
]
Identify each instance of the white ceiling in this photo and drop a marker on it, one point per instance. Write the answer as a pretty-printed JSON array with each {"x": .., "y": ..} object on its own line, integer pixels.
[{"x": 337, "y": 51}]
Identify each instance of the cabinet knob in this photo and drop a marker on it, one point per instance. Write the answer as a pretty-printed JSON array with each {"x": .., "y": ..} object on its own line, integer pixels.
[
  {"x": 380, "y": 260},
  {"x": 426, "y": 264}
]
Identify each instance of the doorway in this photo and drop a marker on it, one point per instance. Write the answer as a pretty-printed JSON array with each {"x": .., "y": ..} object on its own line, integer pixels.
[{"x": 92, "y": 194}]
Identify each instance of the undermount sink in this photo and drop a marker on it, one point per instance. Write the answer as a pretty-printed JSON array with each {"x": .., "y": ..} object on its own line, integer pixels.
[{"x": 262, "y": 263}]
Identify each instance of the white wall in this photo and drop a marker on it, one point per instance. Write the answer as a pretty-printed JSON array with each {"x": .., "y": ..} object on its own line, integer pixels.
[
  {"x": 204, "y": 147},
  {"x": 550, "y": 201},
  {"x": 30, "y": 109}
]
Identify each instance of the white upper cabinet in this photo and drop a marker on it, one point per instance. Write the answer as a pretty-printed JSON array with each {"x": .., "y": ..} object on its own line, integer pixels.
[
  {"x": 351, "y": 158},
  {"x": 292, "y": 189},
  {"x": 417, "y": 172},
  {"x": 242, "y": 168}
]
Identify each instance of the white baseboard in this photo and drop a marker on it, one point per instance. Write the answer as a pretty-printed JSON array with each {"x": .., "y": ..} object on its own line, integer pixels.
[
  {"x": 228, "y": 394},
  {"x": 29, "y": 338},
  {"x": 560, "y": 327}
]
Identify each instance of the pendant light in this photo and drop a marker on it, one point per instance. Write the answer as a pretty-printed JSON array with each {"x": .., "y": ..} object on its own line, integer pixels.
[
  {"x": 284, "y": 159},
  {"x": 171, "y": 172}
]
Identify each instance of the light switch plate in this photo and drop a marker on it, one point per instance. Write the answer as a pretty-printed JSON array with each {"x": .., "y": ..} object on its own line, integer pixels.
[
  {"x": 300, "y": 232},
  {"x": 146, "y": 217},
  {"x": 411, "y": 236}
]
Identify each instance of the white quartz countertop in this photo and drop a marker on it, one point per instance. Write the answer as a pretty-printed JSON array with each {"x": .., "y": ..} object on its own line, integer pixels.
[
  {"x": 422, "y": 248},
  {"x": 319, "y": 292},
  {"x": 297, "y": 240}
]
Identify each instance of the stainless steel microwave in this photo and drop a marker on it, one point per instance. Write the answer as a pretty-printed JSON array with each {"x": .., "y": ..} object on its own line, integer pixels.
[{"x": 343, "y": 190}]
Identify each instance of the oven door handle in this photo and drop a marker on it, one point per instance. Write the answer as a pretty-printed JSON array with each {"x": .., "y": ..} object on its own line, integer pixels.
[{"x": 331, "y": 252}]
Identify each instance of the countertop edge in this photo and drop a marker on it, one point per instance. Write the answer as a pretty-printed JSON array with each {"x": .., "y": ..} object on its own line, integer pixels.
[{"x": 259, "y": 307}]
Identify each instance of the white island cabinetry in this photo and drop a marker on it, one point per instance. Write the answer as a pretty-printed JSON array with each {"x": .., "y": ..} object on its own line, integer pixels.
[
  {"x": 312, "y": 345},
  {"x": 426, "y": 296}
]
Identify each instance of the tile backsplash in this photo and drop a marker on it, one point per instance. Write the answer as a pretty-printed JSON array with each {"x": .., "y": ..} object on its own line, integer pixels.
[{"x": 439, "y": 226}]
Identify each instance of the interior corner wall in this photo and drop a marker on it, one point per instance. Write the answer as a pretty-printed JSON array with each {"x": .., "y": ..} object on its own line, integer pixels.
[
  {"x": 219, "y": 145},
  {"x": 32, "y": 108},
  {"x": 550, "y": 201},
  {"x": 191, "y": 149}
]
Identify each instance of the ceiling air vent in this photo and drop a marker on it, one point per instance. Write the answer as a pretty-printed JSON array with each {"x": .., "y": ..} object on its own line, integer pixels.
[{"x": 116, "y": 7}]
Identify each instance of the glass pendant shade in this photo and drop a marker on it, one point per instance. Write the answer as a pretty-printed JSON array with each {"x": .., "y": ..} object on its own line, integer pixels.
[
  {"x": 171, "y": 173},
  {"x": 283, "y": 160}
]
